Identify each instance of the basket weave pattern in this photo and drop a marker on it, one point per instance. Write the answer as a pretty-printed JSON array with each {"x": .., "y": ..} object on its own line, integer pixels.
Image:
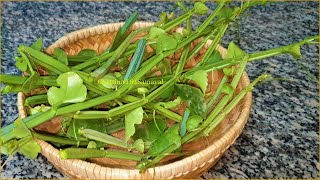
[{"x": 99, "y": 38}]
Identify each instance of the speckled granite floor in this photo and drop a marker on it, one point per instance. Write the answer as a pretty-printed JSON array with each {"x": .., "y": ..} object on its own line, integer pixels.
[{"x": 281, "y": 137}]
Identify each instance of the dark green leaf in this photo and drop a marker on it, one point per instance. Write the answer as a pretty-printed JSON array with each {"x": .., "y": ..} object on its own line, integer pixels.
[
  {"x": 215, "y": 57},
  {"x": 167, "y": 94},
  {"x": 151, "y": 130},
  {"x": 61, "y": 55},
  {"x": 194, "y": 97},
  {"x": 71, "y": 90},
  {"x": 165, "y": 140}
]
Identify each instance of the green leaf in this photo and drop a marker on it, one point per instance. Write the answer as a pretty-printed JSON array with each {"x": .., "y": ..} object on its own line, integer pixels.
[
  {"x": 229, "y": 71},
  {"x": 168, "y": 94},
  {"x": 37, "y": 109},
  {"x": 108, "y": 81},
  {"x": 183, "y": 124},
  {"x": 88, "y": 53},
  {"x": 227, "y": 89},
  {"x": 166, "y": 42},
  {"x": 10, "y": 147},
  {"x": 20, "y": 129},
  {"x": 171, "y": 104},
  {"x": 71, "y": 90},
  {"x": 200, "y": 8},
  {"x": 38, "y": 44},
  {"x": 150, "y": 130},
  {"x": 61, "y": 55},
  {"x": 194, "y": 97},
  {"x": 193, "y": 122},
  {"x": 30, "y": 149},
  {"x": 215, "y": 57},
  {"x": 133, "y": 117},
  {"x": 31, "y": 83},
  {"x": 139, "y": 145},
  {"x": 225, "y": 12},
  {"x": 155, "y": 32},
  {"x": 164, "y": 67},
  {"x": 234, "y": 51},
  {"x": 294, "y": 51},
  {"x": 201, "y": 79},
  {"x": 21, "y": 64},
  {"x": 92, "y": 145},
  {"x": 142, "y": 90},
  {"x": 165, "y": 140}
]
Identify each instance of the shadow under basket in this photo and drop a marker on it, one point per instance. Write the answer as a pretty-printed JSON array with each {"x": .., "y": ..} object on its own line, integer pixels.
[{"x": 206, "y": 151}]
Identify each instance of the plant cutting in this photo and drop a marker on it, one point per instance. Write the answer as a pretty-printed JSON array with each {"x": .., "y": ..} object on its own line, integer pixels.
[{"x": 79, "y": 92}]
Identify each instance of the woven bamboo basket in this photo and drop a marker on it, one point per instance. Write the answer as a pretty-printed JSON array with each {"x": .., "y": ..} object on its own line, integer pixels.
[{"x": 204, "y": 152}]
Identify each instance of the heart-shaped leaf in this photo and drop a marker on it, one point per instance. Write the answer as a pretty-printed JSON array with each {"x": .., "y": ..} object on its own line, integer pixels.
[
  {"x": 71, "y": 90},
  {"x": 133, "y": 117}
]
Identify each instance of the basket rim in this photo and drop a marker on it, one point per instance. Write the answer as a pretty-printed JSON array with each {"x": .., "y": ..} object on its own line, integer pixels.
[{"x": 177, "y": 168}]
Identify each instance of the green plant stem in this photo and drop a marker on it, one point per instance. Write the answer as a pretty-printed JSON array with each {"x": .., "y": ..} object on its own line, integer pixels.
[
  {"x": 124, "y": 108},
  {"x": 206, "y": 23},
  {"x": 98, "y": 73},
  {"x": 58, "y": 140},
  {"x": 44, "y": 58},
  {"x": 12, "y": 79},
  {"x": 84, "y": 153},
  {"x": 105, "y": 138},
  {"x": 218, "y": 91},
  {"x": 36, "y": 99},
  {"x": 169, "y": 25},
  {"x": 233, "y": 103},
  {"x": 31, "y": 121},
  {"x": 208, "y": 120}
]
